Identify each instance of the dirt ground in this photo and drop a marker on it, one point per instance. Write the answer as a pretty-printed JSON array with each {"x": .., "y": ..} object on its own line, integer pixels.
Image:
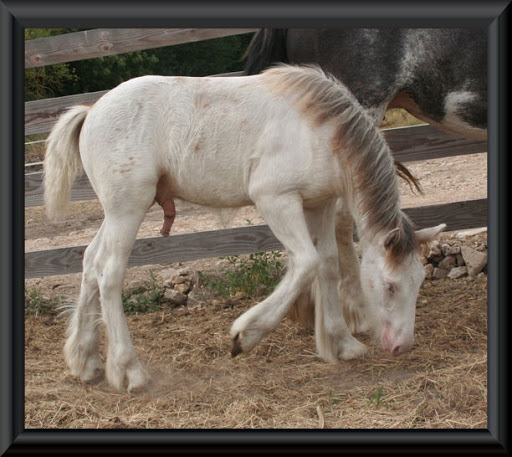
[{"x": 441, "y": 383}]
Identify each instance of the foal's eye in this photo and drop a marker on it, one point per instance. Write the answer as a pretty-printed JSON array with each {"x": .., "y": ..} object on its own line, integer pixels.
[{"x": 390, "y": 287}]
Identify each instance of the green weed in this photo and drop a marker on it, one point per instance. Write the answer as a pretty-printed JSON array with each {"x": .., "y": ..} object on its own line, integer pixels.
[
  {"x": 146, "y": 298},
  {"x": 376, "y": 398},
  {"x": 333, "y": 400},
  {"x": 254, "y": 275},
  {"x": 37, "y": 304}
]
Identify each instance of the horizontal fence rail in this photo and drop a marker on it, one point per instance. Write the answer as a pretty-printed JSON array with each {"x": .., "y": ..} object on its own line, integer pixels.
[
  {"x": 41, "y": 115},
  {"x": 408, "y": 144},
  {"x": 235, "y": 241},
  {"x": 107, "y": 42}
]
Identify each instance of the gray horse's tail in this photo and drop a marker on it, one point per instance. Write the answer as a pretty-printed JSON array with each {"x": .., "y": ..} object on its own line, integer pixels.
[{"x": 268, "y": 46}]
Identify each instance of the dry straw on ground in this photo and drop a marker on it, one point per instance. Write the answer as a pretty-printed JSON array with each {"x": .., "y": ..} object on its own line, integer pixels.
[{"x": 282, "y": 384}]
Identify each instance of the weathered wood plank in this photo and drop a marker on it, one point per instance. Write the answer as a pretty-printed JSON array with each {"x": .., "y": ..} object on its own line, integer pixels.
[
  {"x": 176, "y": 248},
  {"x": 426, "y": 142},
  {"x": 422, "y": 142},
  {"x": 41, "y": 115},
  {"x": 456, "y": 215},
  {"x": 107, "y": 42},
  {"x": 243, "y": 240},
  {"x": 82, "y": 189}
]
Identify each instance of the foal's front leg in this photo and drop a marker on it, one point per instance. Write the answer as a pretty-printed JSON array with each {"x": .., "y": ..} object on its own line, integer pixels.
[
  {"x": 358, "y": 314},
  {"x": 285, "y": 217},
  {"x": 333, "y": 338}
]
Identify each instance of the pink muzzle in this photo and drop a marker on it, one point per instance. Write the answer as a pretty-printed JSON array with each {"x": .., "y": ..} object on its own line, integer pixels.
[{"x": 393, "y": 343}]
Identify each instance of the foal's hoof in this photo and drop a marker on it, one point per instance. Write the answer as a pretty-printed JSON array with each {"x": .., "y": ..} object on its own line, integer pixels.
[
  {"x": 96, "y": 377},
  {"x": 237, "y": 347},
  {"x": 352, "y": 349},
  {"x": 140, "y": 389},
  {"x": 139, "y": 380}
]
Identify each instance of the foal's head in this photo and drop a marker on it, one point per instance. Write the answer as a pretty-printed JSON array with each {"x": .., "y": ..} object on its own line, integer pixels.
[{"x": 391, "y": 276}]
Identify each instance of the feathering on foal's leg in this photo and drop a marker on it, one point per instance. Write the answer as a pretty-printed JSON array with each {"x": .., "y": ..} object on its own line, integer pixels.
[
  {"x": 358, "y": 316},
  {"x": 285, "y": 217},
  {"x": 333, "y": 339},
  {"x": 81, "y": 350},
  {"x": 303, "y": 309}
]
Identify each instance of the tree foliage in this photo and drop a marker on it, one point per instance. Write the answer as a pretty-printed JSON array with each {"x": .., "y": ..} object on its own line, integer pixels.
[
  {"x": 221, "y": 55},
  {"x": 51, "y": 80}
]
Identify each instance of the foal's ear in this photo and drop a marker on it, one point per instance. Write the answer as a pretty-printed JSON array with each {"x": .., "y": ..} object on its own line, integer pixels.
[
  {"x": 392, "y": 238},
  {"x": 428, "y": 234}
]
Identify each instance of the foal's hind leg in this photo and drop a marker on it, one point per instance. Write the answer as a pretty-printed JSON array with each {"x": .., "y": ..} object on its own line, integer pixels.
[
  {"x": 81, "y": 349},
  {"x": 120, "y": 229}
]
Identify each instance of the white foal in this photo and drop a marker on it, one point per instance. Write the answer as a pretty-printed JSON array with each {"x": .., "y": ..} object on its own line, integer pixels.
[{"x": 290, "y": 141}]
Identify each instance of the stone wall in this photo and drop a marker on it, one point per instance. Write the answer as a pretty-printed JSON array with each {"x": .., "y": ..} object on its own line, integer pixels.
[{"x": 461, "y": 254}]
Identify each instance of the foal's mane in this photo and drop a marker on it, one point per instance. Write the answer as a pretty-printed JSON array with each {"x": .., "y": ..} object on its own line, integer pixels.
[{"x": 360, "y": 146}]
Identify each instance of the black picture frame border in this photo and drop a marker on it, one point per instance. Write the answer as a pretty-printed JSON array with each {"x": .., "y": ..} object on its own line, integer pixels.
[{"x": 16, "y": 15}]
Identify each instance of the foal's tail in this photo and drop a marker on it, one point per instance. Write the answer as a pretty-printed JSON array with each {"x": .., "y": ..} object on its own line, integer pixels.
[
  {"x": 62, "y": 161},
  {"x": 268, "y": 46}
]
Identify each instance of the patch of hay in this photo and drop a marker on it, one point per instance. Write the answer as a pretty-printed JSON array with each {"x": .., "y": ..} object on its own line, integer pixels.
[{"x": 282, "y": 384}]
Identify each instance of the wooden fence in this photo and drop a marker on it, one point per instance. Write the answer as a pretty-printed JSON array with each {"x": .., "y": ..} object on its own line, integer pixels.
[{"x": 408, "y": 144}]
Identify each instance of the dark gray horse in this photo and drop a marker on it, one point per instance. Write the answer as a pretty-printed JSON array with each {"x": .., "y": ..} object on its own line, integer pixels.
[{"x": 438, "y": 75}]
